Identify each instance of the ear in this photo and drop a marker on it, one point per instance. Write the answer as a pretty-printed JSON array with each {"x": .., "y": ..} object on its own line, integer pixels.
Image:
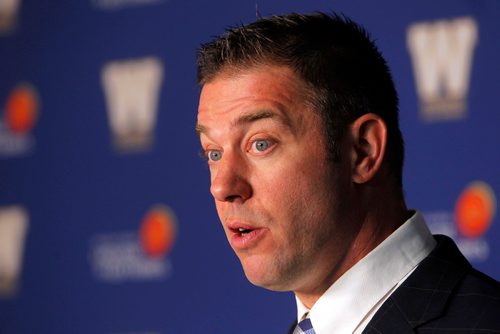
[{"x": 369, "y": 135}]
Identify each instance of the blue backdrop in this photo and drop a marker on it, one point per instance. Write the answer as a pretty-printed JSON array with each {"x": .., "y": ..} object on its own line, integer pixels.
[{"x": 106, "y": 221}]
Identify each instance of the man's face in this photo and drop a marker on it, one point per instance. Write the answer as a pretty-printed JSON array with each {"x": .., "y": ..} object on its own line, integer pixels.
[{"x": 277, "y": 196}]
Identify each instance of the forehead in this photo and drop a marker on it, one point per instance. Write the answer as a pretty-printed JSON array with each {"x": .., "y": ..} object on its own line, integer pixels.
[{"x": 232, "y": 92}]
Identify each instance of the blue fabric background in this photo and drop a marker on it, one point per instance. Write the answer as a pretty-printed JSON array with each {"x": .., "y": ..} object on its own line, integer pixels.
[{"x": 75, "y": 185}]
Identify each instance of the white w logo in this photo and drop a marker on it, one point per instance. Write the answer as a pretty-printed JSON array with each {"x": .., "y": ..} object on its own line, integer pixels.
[
  {"x": 13, "y": 228},
  {"x": 442, "y": 57},
  {"x": 132, "y": 91},
  {"x": 8, "y": 14}
]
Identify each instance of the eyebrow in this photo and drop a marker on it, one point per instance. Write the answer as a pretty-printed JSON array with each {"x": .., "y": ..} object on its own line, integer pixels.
[
  {"x": 255, "y": 116},
  {"x": 245, "y": 119}
]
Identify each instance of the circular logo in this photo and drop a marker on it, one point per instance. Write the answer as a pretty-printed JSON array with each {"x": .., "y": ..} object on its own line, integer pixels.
[
  {"x": 21, "y": 109},
  {"x": 475, "y": 209},
  {"x": 158, "y": 231}
]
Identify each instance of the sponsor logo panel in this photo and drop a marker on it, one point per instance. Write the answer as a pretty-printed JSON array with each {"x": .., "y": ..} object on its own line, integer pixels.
[
  {"x": 475, "y": 210},
  {"x": 442, "y": 53},
  {"x": 13, "y": 230},
  {"x": 132, "y": 89},
  {"x": 136, "y": 255},
  {"x": 158, "y": 231},
  {"x": 468, "y": 223},
  {"x": 20, "y": 114}
]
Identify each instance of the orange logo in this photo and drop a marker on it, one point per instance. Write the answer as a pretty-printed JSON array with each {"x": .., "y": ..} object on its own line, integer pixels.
[
  {"x": 475, "y": 209},
  {"x": 158, "y": 231},
  {"x": 21, "y": 109}
]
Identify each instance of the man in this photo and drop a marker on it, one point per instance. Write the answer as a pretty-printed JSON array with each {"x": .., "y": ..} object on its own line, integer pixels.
[{"x": 298, "y": 118}]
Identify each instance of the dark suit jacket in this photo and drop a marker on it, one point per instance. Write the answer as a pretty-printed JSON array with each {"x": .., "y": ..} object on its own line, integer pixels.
[{"x": 443, "y": 295}]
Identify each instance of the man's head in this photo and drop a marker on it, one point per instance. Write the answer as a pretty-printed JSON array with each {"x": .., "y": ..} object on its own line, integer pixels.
[
  {"x": 296, "y": 115},
  {"x": 345, "y": 73}
]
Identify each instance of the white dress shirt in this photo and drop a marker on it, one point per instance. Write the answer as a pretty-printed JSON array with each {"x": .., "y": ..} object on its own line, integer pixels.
[{"x": 351, "y": 301}]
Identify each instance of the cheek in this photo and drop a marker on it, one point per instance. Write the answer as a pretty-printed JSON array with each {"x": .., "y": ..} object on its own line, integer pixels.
[
  {"x": 281, "y": 192},
  {"x": 308, "y": 195},
  {"x": 295, "y": 194},
  {"x": 300, "y": 181}
]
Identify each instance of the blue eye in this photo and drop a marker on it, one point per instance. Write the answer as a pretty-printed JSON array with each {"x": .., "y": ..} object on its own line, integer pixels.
[
  {"x": 214, "y": 155},
  {"x": 261, "y": 145}
]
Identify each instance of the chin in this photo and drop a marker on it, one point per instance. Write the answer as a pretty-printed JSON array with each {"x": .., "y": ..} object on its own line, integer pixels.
[{"x": 267, "y": 280}]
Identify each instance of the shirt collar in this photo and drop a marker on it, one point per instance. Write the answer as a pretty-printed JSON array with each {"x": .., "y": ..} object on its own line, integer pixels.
[{"x": 348, "y": 300}]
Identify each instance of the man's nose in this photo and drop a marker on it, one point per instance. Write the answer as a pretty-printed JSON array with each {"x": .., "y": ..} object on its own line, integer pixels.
[{"x": 230, "y": 184}]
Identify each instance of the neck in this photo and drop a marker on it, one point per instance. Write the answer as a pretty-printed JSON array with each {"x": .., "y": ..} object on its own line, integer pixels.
[{"x": 374, "y": 225}]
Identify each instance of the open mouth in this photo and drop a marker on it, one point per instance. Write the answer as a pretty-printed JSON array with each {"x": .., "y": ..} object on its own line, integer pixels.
[
  {"x": 243, "y": 231},
  {"x": 244, "y": 237}
]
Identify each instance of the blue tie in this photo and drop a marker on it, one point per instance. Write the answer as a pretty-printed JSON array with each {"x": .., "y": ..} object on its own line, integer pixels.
[{"x": 304, "y": 327}]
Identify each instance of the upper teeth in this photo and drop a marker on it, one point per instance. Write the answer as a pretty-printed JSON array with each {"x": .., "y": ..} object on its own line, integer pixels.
[{"x": 241, "y": 229}]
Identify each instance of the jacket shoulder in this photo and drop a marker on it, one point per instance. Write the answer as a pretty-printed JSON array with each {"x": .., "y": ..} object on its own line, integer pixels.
[
  {"x": 444, "y": 294},
  {"x": 474, "y": 304}
]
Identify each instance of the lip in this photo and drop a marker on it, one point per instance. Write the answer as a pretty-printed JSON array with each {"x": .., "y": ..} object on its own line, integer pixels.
[{"x": 244, "y": 241}]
